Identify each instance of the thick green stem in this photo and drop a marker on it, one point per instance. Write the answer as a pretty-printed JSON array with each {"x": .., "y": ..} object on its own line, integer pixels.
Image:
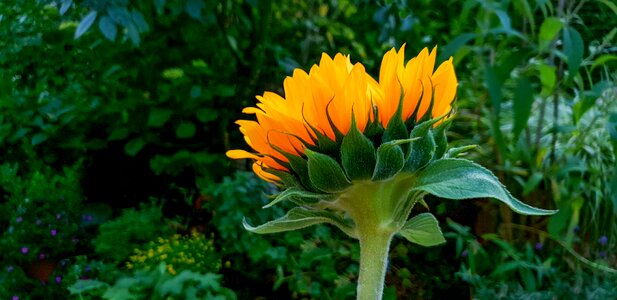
[{"x": 374, "y": 248}]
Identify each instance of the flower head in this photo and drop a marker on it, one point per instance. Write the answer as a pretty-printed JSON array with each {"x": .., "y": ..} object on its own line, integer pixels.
[{"x": 320, "y": 107}]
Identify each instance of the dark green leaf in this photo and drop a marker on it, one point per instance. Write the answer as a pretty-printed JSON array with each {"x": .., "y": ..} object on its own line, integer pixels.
[
  {"x": 523, "y": 101},
  {"x": 38, "y": 138},
  {"x": 158, "y": 117},
  {"x": 85, "y": 24},
  {"x": 573, "y": 49},
  {"x": 325, "y": 173},
  {"x": 455, "y": 44},
  {"x": 462, "y": 179},
  {"x": 108, "y": 28},
  {"x": 139, "y": 21},
  {"x": 134, "y": 146},
  {"x": 185, "y": 130},
  {"x": 206, "y": 115},
  {"x": 423, "y": 230}
]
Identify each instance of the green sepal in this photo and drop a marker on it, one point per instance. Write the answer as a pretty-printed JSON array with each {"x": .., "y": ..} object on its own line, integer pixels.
[
  {"x": 422, "y": 149},
  {"x": 300, "y": 166},
  {"x": 325, "y": 173},
  {"x": 423, "y": 230},
  {"x": 288, "y": 180},
  {"x": 301, "y": 217},
  {"x": 441, "y": 140},
  {"x": 390, "y": 160},
  {"x": 460, "y": 179},
  {"x": 324, "y": 143},
  {"x": 458, "y": 151},
  {"x": 299, "y": 197},
  {"x": 396, "y": 128},
  {"x": 357, "y": 154}
]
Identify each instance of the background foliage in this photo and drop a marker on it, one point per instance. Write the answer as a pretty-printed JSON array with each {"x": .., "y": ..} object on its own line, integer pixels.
[{"x": 115, "y": 116}]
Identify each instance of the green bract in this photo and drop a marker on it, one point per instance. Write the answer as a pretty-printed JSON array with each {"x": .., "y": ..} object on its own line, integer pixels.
[{"x": 373, "y": 181}]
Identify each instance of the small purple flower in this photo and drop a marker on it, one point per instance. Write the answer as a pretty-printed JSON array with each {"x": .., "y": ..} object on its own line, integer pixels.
[
  {"x": 464, "y": 253},
  {"x": 603, "y": 254},
  {"x": 87, "y": 268},
  {"x": 539, "y": 246},
  {"x": 603, "y": 240},
  {"x": 53, "y": 232},
  {"x": 58, "y": 216},
  {"x": 15, "y": 297},
  {"x": 88, "y": 218},
  {"x": 42, "y": 256},
  {"x": 24, "y": 250},
  {"x": 9, "y": 269},
  {"x": 58, "y": 279},
  {"x": 18, "y": 219},
  {"x": 38, "y": 222}
]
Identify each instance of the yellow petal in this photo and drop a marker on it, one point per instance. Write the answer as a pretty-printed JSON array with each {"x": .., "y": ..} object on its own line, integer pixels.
[{"x": 240, "y": 154}]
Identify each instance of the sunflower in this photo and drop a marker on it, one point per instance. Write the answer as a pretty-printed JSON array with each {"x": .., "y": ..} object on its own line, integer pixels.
[
  {"x": 359, "y": 153},
  {"x": 322, "y": 103}
]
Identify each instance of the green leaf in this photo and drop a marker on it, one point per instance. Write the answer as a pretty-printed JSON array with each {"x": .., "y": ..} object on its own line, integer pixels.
[
  {"x": 298, "y": 218},
  {"x": 108, "y": 28},
  {"x": 134, "y": 146},
  {"x": 463, "y": 179},
  {"x": 548, "y": 77},
  {"x": 455, "y": 44},
  {"x": 173, "y": 73},
  {"x": 38, "y": 138},
  {"x": 139, "y": 21},
  {"x": 185, "y": 130},
  {"x": 158, "y": 117},
  {"x": 523, "y": 100},
  {"x": 603, "y": 59},
  {"x": 82, "y": 286},
  {"x": 390, "y": 160},
  {"x": 325, "y": 173},
  {"x": 206, "y": 115},
  {"x": 573, "y": 49},
  {"x": 423, "y": 230},
  {"x": 610, "y": 5},
  {"x": 357, "y": 154},
  {"x": 85, "y": 24},
  {"x": 493, "y": 85},
  {"x": 66, "y": 4},
  {"x": 548, "y": 31}
]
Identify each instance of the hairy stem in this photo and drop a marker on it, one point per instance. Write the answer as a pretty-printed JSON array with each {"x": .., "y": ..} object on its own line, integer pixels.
[{"x": 374, "y": 248}]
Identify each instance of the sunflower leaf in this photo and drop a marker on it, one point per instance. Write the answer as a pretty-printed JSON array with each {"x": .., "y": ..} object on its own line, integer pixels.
[
  {"x": 460, "y": 179},
  {"x": 301, "y": 217},
  {"x": 423, "y": 230}
]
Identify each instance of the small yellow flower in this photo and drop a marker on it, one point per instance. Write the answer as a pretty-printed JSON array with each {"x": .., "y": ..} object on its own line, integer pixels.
[{"x": 170, "y": 269}]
